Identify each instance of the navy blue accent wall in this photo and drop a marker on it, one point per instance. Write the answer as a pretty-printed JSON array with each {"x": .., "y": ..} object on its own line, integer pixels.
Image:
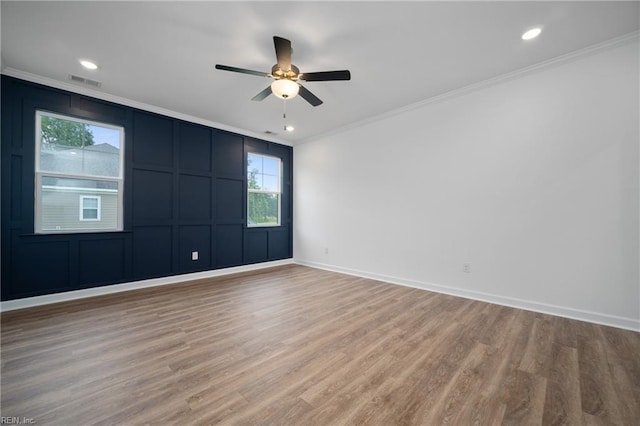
[{"x": 185, "y": 190}]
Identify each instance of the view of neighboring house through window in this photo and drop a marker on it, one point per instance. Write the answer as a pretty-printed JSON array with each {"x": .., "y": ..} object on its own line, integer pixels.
[
  {"x": 79, "y": 168},
  {"x": 264, "y": 190}
]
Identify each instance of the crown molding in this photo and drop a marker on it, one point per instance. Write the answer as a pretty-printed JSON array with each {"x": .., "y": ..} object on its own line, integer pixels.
[
  {"x": 69, "y": 87},
  {"x": 568, "y": 57}
]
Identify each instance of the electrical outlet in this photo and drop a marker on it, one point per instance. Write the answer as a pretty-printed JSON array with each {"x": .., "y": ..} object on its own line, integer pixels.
[
  {"x": 466, "y": 268},
  {"x": 326, "y": 250},
  {"x": 194, "y": 255}
]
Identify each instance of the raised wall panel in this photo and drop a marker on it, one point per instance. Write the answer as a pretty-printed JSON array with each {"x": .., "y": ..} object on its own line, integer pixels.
[
  {"x": 256, "y": 246},
  {"x": 152, "y": 248},
  {"x": 229, "y": 155},
  {"x": 195, "y": 238},
  {"x": 152, "y": 139},
  {"x": 279, "y": 244},
  {"x": 195, "y": 148},
  {"x": 101, "y": 261},
  {"x": 228, "y": 245},
  {"x": 97, "y": 110},
  {"x": 195, "y": 197},
  {"x": 230, "y": 201},
  {"x": 184, "y": 191},
  {"x": 16, "y": 188},
  {"x": 281, "y": 151},
  {"x": 38, "y": 266},
  {"x": 152, "y": 195},
  {"x": 257, "y": 146},
  {"x": 286, "y": 205},
  {"x": 35, "y": 99}
]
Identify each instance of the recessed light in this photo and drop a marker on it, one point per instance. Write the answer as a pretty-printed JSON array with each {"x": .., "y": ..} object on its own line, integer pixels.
[
  {"x": 531, "y": 34},
  {"x": 289, "y": 128},
  {"x": 88, "y": 64}
]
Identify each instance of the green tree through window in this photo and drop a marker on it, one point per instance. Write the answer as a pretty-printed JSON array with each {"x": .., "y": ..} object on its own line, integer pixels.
[
  {"x": 64, "y": 132},
  {"x": 79, "y": 175}
]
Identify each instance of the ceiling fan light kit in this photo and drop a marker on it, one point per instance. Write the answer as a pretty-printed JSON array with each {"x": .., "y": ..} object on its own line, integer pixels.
[
  {"x": 287, "y": 75},
  {"x": 285, "y": 88}
]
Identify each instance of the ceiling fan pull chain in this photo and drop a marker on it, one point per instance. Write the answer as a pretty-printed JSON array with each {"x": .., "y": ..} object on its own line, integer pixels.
[{"x": 284, "y": 113}]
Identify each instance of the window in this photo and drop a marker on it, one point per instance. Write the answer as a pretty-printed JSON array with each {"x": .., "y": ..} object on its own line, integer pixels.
[
  {"x": 89, "y": 207},
  {"x": 79, "y": 168},
  {"x": 264, "y": 190}
]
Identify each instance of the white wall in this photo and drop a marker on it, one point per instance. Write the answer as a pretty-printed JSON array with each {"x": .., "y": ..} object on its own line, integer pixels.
[{"x": 533, "y": 180}]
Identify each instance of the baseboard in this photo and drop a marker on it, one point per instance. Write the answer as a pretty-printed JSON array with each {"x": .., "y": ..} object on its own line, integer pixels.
[
  {"x": 581, "y": 315},
  {"x": 560, "y": 311},
  {"x": 29, "y": 302}
]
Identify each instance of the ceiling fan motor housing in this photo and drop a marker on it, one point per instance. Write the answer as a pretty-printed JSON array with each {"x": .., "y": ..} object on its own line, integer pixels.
[
  {"x": 291, "y": 74},
  {"x": 287, "y": 75}
]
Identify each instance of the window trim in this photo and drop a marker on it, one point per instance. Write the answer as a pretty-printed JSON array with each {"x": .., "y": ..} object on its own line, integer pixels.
[
  {"x": 39, "y": 174},
  {"x": 261, "y": 191},
  {"x": 98, "y": 208}
]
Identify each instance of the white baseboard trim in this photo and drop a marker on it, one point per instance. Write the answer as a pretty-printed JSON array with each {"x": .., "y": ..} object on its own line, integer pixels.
[
  {"x": 29, "y": 302},
  {"x": 560, "y": 311}
]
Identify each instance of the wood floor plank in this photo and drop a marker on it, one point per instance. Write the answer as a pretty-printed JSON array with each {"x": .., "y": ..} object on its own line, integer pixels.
[
  {"x": 597, "y": 390},
  {"x": 487, "y": 406},
  {"x": 537, "y": 354},
  {"x": 562, "y": 399},
  {"x": 525, "y": 404},
  {"x": 565, "y": 332},
  {"x": 459, "y": 390},
  {"x": 294, "y": 345}
]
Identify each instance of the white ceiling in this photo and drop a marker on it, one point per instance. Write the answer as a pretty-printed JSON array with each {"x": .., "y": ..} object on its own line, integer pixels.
[{"x": 163, "y": 53}]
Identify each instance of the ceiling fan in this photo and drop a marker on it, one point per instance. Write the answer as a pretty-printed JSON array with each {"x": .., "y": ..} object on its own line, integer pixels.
[{"x": 286, "y": 76}]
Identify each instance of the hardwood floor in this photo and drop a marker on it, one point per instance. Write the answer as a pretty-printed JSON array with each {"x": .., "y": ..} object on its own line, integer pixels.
[{"x": 300, "y": 346}]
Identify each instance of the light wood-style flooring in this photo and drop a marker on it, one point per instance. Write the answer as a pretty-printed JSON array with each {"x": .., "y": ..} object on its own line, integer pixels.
[{"x": 299, "y": 346}]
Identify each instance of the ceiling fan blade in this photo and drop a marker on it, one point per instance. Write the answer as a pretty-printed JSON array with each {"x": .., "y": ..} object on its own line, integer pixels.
[
  {"x": 260, "y": 96},
  {"x": 241, "y": 70},
  {"x": 326, "y": 75},
  {"x": 283, "y": 52},
  {"x": 309, "y": 97}
]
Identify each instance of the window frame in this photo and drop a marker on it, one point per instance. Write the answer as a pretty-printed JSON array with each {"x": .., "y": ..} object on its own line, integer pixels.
[
  {"x": 261, "y": 191},
  {"x": 39, "y": 174},
  {"x": 98, "y": 206}
]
